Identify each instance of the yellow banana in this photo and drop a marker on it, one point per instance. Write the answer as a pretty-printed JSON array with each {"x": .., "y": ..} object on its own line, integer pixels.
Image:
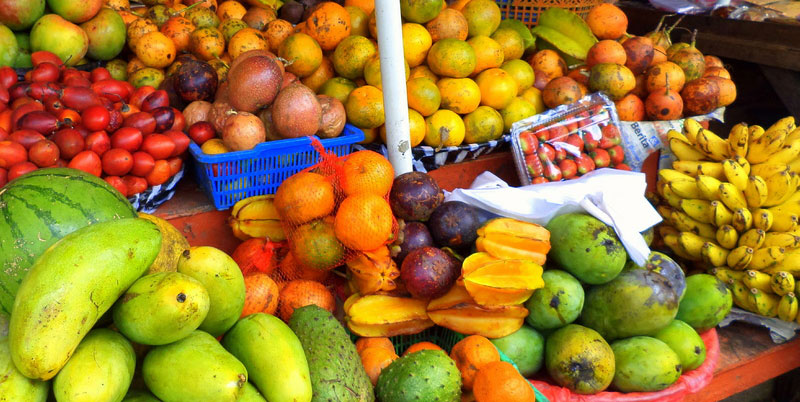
[
  {"x": 735, "y": 174},
  {"x": 726, "y": 275},
  {"x": 685, "y": 223},
  {"x": 727, "y": 236},
  {"x": 731, "y": 196},
  {"x": 787, "y": 307},
  {"x": 664, "y": 230},
  {"x": 782, "y": 283},
  {"x": 790, "y": 152},
  {"x": 691, "y": 128},
  {"x": 692, "y": 243},
  {"x": 753, "y": 238},
  {"x": 708, "y": 187},
  {"x": 739, "y": 138},
  {"x": 666, "y": 212},
  {"x": 794, "y": 166},
  {"x": 720, "y": 214},
  {"x": 742, "y": 219},
  {"x": 793, "y": 135},
  {"x": 685, "y": 152},
  {"x": 782, "y": 239},
  {"x": 763, "y": 219},
  {"x": 712, "y": 145},
  {"x": 671, "y": 241},
  {"x": 779, "y": 188},
  {"x": 713, "y": 254},
  {"x": 756, "y": 191},
  {"x": 739, "y": 258},
  {"x": 757, "y": 280},
  {"x": 767, "y": 169},
  {"x": 741, "y": 295},
  {"x": 699, "y": 210},
  {"x": 766, "y": 304},
  {"x": 785, "y": 223},
  {"x": 680, "y": 137},
  {"x": 766, "y": 258},
  {"x": 771, "y": 142},
  {"x": 685, "y": 189},
  {"x": 756, "y": 132},
  {"x": 694, "y": 168},
  {"x": 671, "y": 175},
  {"x": 670, "y": 197},
  {"x": 790, "y": 263},
  {"x": 742, "y": 161},
  {"x": 784, "y": 125}
]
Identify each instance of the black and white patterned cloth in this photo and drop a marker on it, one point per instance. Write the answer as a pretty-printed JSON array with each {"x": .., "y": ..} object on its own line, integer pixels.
[
  {"x": 149, "y": 200},
  {"x": 425, "y": 158}
]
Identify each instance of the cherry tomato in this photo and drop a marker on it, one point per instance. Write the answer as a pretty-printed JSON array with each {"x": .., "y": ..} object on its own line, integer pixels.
[
  {"x": 117, "y": 162},
  {"x": 88, "y": 161},
  {"x": 155, "y": 100},
  {"x": 26, "y": 138},
  {"x": 99, "y": 74},
  {"x": 134, "y": 184},
  {"x": 115, "y": 120},
  {"x": 99, "y": 142},
  {"x": 70, "y": 142},
  {"x": 20, "y": 169},
  {"x": 138, "y": 96},
  {"x": 8, "y": 76},
  {"x": 11, "y": 153},
  {"x": 158, "y": 145},
  {"x": 45, "y": 72},
  {"x": 95, "y": 118},
  {"x": 44, "y": 153},
  {"x": 143, "y": 164},
  {"x": 18, "y": 90},
  {"x": 39, "y": 121},
  {"x": 23, "y": 110},
  {"x": 53, "y": 105},
  {"x": 117, "y": 183},
  {"x": 180, "y": 122},
  {"x": 164, "y": 117},
  {"x": 43, "y": 56},
  {"x": 3, "y": 177},
  {"x": 201, "y": 132},
  {"x": 159, "y": 174},
  {"x": 175, "y": 165},
  {"x": 144, "y": 121},
  {"x": 127, "y": 138},
  {"x": 180, "y": 140},
  {"x": 69, "y": 117}
]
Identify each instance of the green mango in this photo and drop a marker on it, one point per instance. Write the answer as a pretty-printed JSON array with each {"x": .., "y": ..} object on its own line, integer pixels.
[
  {"x": 106, "y": 33},
  {"x": 660, "y": 263},
  {"x": 57, "y": 35},
  {"x": 528, "y": 40},
  {"x": 578, "y": 358},
  {"x": 558, "y": 303},
  {"x": 139, "y": 396},
  {"x": 118, "y": 69},
  {"x": 75, "y": 11},
  {"x": 195, "y": 368},
  {"x": 706, "y": 302},
  {"x": 101, "y": 369},
  {"x": 586, "y": 247},
  {"x": 19, "y": 15},
  {"x": 13, "y": 385},
  {"x": 644, "y": 364},
  {"x": 8, "y": 47},
  {"x": 565, "y": 30},
  {"x": 525, "y": 347},
  {"x": 224, "y": 282},
  {"x": 3, "y": 326},
  {"x": 685, "y": 342},
  {"x": 23, "y": 59},
  {"x": 23, "y": 40},
  {"x": 71, "y": 285},
  {"x": 250, "y": 394},
  {"x": 161, "y": 308},
  {"x": 273, "y": 356}
]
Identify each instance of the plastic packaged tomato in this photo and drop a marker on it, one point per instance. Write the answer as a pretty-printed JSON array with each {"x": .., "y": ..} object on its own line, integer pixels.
[{"x": 568, "y": 141}]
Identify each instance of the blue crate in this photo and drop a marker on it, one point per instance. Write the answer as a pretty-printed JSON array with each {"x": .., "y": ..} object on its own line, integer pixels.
[{"x": 233, "y": 176}]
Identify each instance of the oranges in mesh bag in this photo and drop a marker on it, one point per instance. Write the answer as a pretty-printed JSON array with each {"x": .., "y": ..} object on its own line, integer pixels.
[
  {"x": 304, "y": 197},
  {"x": 364, "y": 222},
  {"x": 367, "y": 172},
  {"x": 299, "y": 293},
  {"x": 261, "y": 294}
]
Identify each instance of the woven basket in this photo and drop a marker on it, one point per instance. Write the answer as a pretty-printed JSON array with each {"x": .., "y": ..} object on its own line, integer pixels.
[{"x": 528, "y": 11}]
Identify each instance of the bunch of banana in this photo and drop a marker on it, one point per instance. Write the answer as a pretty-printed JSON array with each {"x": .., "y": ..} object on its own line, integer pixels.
[
  {"x": 256, "y": 217},
  {"x": 760, "y": 293}
]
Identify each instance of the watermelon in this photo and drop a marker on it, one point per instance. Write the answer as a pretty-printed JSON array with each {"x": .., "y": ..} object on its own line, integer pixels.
[{"x": 40, "y": 208}]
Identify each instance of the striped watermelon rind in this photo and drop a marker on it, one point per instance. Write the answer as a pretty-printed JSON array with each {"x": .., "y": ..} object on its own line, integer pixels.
[{"x": 41, "y": 207}]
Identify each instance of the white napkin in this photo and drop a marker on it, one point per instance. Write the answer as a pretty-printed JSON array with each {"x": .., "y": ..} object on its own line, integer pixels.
[{"x": 616, "y": 197}]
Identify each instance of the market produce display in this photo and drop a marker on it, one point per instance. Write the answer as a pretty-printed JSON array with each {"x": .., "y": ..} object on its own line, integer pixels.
[{"x": 732, "y": 205}]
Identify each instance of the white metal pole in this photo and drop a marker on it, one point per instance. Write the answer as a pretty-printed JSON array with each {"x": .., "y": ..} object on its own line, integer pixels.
[{"x": 393, "y": 80}]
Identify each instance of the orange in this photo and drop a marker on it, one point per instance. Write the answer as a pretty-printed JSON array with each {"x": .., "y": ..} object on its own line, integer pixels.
[
  {"x": 488, "y": 53},
  {"x": 606, "y": 51},
  {"x": 444, "y": 129},
  {"x": 423, "y": 95},
  {"x": 261, "y": 294},
  {"x": 482, "y": 125},
  {"x": 321, "y": 75},
  {"x": 379, "y": 342},
  {"x": 534, "y": 96},
  {"x": 289, "y": 270},
  {"x": 364, "y": 107},
  {"x": 364, "y": 221},
  {"x": 460, "y": 95},
  {"x": 471, "y": 354},
  {"x": 518, "y": 109},
  {"x": 277, "y": 31},
  {"x": 665, "y": 74},
  {"x": 548, "y": 62},
  {"x": 422, "y": 71},
  {"x": 366, "y": 172},
  {"x": 416, "y": 43},
  {"x": 501, "y": 382},
  {"x": 630, "y": 108},
  {"x": 230, "y": 10},
  {"x": 337, "y": 87},
  {"x": 328, "y": 23},
  {"x": 448, "y": 24},
  {"x": 452, "y": 58},
  {"x": 498, "y": 88},
  {"x": 511, "y": 41},
  {"x": 245, "y": 40},
  {"x": 155, "y": 50},
  {"x": 607, "y": 21},
  {"x": 420, "y": 11},
  {"x": 359, "y": 21},
  {"x": 483, "y": 17},
  {"x": 351, "y": 54},
  {"x": 416, "y": 128},
  {"x": 372, "y": 72},
  {"x": 370, "y": 135},
  {"x": 303, "y": 52},
  {"x": 299, "y": 293},
  {"x": 521, "y": 72},
  {"x": 180, "y": 30},
  {"x": 365, "y": 5},
  {"x": 421, "y": 346},
  {"x": 314, "y": 245},
  {"x": 303, "y": 197},
  {"x": 374, "y": 360}
]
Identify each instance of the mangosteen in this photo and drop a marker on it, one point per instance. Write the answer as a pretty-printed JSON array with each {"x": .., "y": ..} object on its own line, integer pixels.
[
  {"x": 429, "y": 272},
  {"x": 414, "y": 196},
  {"x": 291, "y": 11},
  {"x": 196, "y": 80},
  {"x": 454, "y": 224},
  {"x": 415, "y": 235}
]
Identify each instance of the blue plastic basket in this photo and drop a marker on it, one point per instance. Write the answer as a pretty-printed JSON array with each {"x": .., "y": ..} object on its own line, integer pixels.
[{"x": 233, "y": 176}]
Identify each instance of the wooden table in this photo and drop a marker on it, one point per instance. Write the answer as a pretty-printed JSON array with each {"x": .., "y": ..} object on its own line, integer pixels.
[{"x": 748, "y": 356}]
